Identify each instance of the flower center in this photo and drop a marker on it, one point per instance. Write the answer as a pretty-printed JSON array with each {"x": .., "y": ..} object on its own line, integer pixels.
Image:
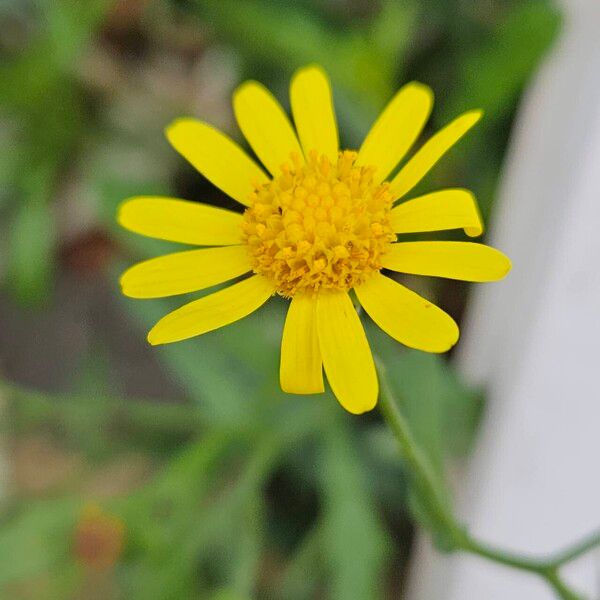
[{"x": 319, "y": 225}]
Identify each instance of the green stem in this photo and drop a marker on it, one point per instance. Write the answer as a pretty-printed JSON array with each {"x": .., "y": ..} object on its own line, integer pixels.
[
  {"x": 425, "y": 479},
  {"x": 576, "y": 550},
  {"x": 558, "y": 585},
  {"x": 510, "y": 559},
  {"x": 546, "y": 569},
  {"x": 418, "y": 464}
]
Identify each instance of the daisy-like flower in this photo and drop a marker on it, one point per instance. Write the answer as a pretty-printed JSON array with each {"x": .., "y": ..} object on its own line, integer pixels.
[{"x": 317, "y": 223}]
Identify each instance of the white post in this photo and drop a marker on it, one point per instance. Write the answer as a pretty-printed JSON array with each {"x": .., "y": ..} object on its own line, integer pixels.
[{"x": 533, "y": 341}]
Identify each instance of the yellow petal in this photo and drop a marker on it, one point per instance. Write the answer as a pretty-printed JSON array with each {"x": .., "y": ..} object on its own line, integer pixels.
[
  {"x": 422, "y": 162},
  {"x": 455, "y": 260},
  {"x": 180, "y": 221},
  {"x": 406, "y": 316},
  {"x": 446, "y": 209},
  {"x": 185, "y": 272},
  {"x": 213, "y": 311},
  {"x": 314, "y": 114},
  {"x": 265, "y": 125},
  {"x": 346, "y": 354},
  {"x": 301, "y": 369},
  {"x": 217, "y": 157},
  {"x": 396, "y": 129}
]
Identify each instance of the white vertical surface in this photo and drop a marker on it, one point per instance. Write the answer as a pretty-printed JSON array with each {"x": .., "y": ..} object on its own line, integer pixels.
[{"x": 534, "y": 342}]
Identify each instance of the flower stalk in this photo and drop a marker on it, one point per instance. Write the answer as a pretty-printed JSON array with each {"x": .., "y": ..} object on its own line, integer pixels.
[{"x": 455, "y": 534}]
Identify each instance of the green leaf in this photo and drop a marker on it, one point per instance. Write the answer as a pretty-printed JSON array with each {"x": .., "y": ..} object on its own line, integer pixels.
[
  {"x": 226, "y": 370},
  {"x": 32, "y": 240},
  {"x": 184, "y": 525},
  {"x": 295, "y": 585},
  {"x": 248, "y": 548},
  {"x": 37, "y": 540},
  {"x": 491, "y": 74},
  {"x": 29, "y": 81},
  {"x": 202, "y": 518},
  {"x": 287, "y": 37},
  {"x": 69, "y": 27},
  {"x": 355, "y": 542},
  {"x": 391, "y": 32},
  {"x": 228, "y": 594}
]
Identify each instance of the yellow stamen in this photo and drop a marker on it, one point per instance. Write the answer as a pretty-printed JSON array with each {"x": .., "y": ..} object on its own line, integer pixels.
[{"x": 319, "y": 225}]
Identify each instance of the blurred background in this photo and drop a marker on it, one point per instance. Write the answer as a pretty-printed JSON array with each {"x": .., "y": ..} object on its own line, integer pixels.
[{"x": 183, "y": 471}]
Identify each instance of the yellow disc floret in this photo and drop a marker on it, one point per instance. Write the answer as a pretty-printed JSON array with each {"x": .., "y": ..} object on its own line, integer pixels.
[{"x": 319, "y": 225}]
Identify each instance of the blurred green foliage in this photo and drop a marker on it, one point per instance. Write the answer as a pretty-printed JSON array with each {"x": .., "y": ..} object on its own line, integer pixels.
[
  {"x": 249, "y": 492},
  {"x": 44, "y": 103}
]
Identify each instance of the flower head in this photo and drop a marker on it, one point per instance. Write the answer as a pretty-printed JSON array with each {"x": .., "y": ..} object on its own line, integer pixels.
[{"x": 321, "y": 223}]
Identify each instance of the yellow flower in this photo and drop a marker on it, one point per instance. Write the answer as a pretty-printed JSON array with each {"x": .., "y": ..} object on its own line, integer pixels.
[{"x": 320, "y": 223}]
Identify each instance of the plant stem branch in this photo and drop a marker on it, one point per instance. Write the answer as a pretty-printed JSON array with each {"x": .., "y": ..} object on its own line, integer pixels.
[
  {"x": 554, "y": 580},
  {"x": 425, "y": 479},
  {"x": 510, "y": 559},
  {"x": 576, "y": 550}
]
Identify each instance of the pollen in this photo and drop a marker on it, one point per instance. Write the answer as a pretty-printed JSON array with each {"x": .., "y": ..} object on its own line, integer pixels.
[{"x": 319, "y": 225}]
